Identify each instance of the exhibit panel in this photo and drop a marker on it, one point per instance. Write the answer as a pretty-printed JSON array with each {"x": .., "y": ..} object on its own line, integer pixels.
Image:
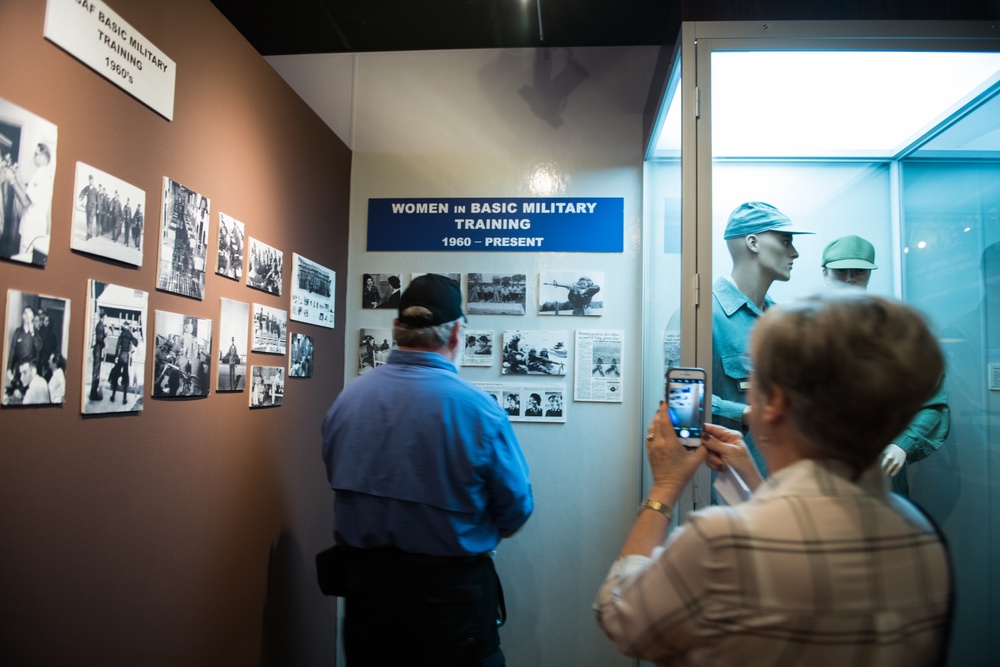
[{"x": 870, "y": 164}]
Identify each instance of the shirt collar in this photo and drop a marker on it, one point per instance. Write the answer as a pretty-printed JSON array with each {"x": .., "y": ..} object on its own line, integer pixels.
[
  {"x": 732, "y": 299},
  {"x": 420, "y": 358},
  {"x": 822, "y": 477}
]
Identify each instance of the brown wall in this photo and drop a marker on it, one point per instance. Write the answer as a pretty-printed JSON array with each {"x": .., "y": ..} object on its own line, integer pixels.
[{"x": 183, "y": 534}]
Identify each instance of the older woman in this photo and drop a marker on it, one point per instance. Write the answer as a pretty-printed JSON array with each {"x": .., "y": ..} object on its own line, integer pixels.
[{"x": 822, "y": 566}]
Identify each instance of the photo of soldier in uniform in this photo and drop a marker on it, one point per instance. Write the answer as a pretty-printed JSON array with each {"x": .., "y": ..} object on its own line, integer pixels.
[
  {"x": 108, "y": 216},
  {"x": 183, "y": 241},
  {"x": 114, "y": 364},
  {"x": 496, "y": 293},
  {"x": 569, "y": 293},
  {"x": 301, "y": 359},
  {"x": 234, "y": 329},
  {"x": 267, "y": 386},
  {"x": 380, "y": 290},
  {"x": 230, "y": 260},
  {"x": 183, "y": 365},
  {"x": 27, "y": 176},
  {"x": 35, "y": 348},
  {"x": 534, "y": 353},
  {"x": 313, "y": 288},
  {"x": 269, "y": 329},
  {"x": 264, "y": 266}
]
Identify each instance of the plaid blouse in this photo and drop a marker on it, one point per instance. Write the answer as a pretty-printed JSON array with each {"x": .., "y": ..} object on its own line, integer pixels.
[{"x": 814, "y": 569}]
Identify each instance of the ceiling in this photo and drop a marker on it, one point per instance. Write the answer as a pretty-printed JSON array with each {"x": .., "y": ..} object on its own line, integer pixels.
[{"x": 331, "y": 26}]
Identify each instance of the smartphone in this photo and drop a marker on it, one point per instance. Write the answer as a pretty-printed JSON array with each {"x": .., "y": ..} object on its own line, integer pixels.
[{"x": 686, "y": 403}]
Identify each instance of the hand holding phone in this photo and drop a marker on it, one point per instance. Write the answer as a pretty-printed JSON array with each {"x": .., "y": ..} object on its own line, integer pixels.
[{"x": 686, "y": 403}]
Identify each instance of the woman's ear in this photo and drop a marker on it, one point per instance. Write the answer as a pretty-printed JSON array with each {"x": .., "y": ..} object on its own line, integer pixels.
[{"x": 774, "y": 407}]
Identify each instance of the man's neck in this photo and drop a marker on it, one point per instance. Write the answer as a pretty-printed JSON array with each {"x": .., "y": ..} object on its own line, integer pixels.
[{"x": 751, "y": 283}]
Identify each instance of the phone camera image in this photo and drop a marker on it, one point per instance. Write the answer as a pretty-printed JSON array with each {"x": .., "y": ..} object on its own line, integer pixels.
[{"x": 685, "y": 406}]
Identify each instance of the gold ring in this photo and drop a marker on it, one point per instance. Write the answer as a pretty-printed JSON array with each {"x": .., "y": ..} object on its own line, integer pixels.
[{"x": 649, "y": 437}]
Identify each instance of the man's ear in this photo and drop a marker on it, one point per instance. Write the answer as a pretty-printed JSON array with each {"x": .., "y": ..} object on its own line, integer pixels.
[{"x": 752, "y": 243}]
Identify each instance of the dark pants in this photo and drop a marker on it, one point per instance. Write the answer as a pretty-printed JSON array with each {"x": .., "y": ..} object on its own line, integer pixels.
[{"x": 407, "y": 610}]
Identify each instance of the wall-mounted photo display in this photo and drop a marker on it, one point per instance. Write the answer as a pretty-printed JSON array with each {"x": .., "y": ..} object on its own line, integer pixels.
[
  {"x": 35, "y": 349},
  {"x": 270, "y": 329},
  {"x": 528, "y": 402},
  {"x": 534, "y": 352},
  {"x": 374, "y": 348},
  {"x": 108, "y": 216},
  {"x": 267, "y": 388},
  {"x": 183, "y": 365},
  {"x": 380, "y": 290},
  {"x": 597, "y": 366},
  {"x": 570, "y": 293},
  {"x": 313, "y": 292},
  {"x": 234, "y": 329},
  {"x": 478, "y": 350},
  {"x": 300, "y": 363},
  {"x": 496, "y": 293},
  {"x": 230, "y": 261},
  {"x": 114, "y": 354},
  {"x": 264, "y": 267},
  {"x": 27, "y": 175},
  {"x": 183, "y": 241}
]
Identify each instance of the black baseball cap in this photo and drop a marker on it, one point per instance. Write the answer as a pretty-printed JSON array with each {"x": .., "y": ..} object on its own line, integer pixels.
[{"x": 438, "y": 294}]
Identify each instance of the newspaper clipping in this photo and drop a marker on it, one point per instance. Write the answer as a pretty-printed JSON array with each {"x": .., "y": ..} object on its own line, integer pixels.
[{"x": 598, "y": 366}]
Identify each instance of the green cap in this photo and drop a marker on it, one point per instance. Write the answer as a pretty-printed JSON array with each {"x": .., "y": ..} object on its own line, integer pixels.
[{"x": 849, "y": 252}]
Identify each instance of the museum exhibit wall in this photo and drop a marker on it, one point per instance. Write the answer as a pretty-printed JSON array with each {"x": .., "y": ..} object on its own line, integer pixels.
[
  {"x": 467, "y": 130},
  {"x": 182, "y": 534}
]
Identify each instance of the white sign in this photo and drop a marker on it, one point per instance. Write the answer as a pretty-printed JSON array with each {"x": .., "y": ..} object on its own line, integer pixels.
[{"x": 103, "y": 41}]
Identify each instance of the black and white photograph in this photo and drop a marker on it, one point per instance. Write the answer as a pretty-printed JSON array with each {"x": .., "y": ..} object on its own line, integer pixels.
[
  {"x": 35, "y": 347},
  {"x": 234, "y": 333},
  {"x": 183, "y": 365},
  {"x": 374, "y": 348},
  {"x": 380, "y": 290},
  {"x": 267, "y": 388},
  {"x": 114, "y": 349},
  {"x": 496, "y": 293},
  {"x": 534, "y": 352},
  {"x": 570, "y": 293},
  {"x": 314, "y": 289},
  {"x": 230, "y": 261},
  {"x": 27, "y": 175},
  {"x": 528, "y": 402},
  {"x": 183, "y": 241},
  {"x": 108, "y": 216},
  {"x": 478, "y": 350},
  {"x": 300, "y": 362},
  {"x": 264, "y": 265},
  {"x": 597, "y": 366},
  {"x": 270, "y": 329}
]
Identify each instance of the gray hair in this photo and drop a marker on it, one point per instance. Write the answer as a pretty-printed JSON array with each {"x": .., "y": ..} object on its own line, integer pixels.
[
  {"x": 425, "y": 338},
  {"x": 855, "y": 368}
]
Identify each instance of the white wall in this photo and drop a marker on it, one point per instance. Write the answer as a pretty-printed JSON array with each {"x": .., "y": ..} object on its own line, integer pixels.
[{"x": 454, "y": 124}]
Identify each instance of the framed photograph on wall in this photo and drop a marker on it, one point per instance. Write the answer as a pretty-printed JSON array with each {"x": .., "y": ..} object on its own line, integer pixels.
[
  {"x": 234, "y": 327},
  {"x": 570, "y": 293},
  {"x": 478, "y": 349},
  {"x": 264, "y": 267},
  {"x": 267, "y": 388},
  {"x": 380, "y": 290},
  {"x": 496, "y": 293},
  {"x": 114, "y": 354},
  {"x": 300, "y": 362},
  {"x": 230, "y": 257},
  {"x": 374, "y": 349},
  {"x": 313, "y": 291},
  {"x": 108, "y": 216},
  {"x": 183, "y": 364},
  {"x": 27, "y": 176},
  {"x": 534, "y": 352},
  {"x": 270, "y": 329},
  {"x": 183, "y": 241},
  {"x": 35, "y": 349}
]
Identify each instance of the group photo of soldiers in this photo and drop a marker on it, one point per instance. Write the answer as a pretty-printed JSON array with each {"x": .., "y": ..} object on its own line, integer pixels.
[
  {"x": 183, "y": 355},
  {"x": 183, "y": 241},
  {"x": 264, "y": 267},
  {"x": 35, "y": 351},
  {"x": 108, "y": 216},
  {"x": 312, "y": 292},
  {"x": 116, "y": 360},
  {"x": 230, "y": 261},
  {"x": 496, "y": 294}
]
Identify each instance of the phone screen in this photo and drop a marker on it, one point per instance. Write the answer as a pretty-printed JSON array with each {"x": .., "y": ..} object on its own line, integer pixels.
[{"x": 686, "y": 401}]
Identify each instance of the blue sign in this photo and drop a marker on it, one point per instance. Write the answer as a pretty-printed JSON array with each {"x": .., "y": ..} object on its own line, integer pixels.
[{"x": 536, "y": 224}]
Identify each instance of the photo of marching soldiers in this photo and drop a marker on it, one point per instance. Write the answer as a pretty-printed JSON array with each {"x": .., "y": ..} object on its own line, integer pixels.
[
  {"x": 496, "y": 293},
  {"x": 230, "y": 262},
  {"x": 268, "y": 388},
  {"x": 183, "y": 363},
  {"x": 313, "y": 288},
  {"x": 183, "y": 241},
  {"x": 534, "y": 353},
  {"x": 34, "y": 354},
  {"x": 115, "y": 355},
  {"x": 300, "y": 364},
  {"x": 234, "y": 329},
  {"x": 27, "y": 176},
  {"x": 108, "y": 216},
  {"x": 569, "y": 293},
  {"x": 264, "y": 267},
  {"x": 374, "y": 348},
  {"x": 269, "y": 329}
]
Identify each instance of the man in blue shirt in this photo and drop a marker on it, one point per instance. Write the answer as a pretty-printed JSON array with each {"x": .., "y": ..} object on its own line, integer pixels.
[
  {"x": 759, "y": 238},
  {"x": 428, "y": 477}
]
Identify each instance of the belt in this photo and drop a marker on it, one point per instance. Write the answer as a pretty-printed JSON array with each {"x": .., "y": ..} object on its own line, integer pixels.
[{"x": 393, "y": 555}]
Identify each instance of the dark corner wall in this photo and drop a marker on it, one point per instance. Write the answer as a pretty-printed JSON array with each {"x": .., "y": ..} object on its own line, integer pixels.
[{"x": 183, "y": 534}]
